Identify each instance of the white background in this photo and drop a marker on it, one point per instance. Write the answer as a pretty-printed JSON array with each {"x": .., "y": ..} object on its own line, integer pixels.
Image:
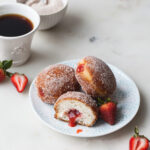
[{"x": 122, "y": 32}]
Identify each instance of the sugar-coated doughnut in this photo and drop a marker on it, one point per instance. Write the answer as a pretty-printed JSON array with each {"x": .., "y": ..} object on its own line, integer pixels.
[
  {"x": 54, "y": 81},
  {"x": 95, "y": 77},
  {"x": 76, "y": 108}
]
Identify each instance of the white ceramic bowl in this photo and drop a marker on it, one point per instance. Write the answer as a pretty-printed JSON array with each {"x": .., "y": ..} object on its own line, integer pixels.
[
  {"x": 49, "y": 21},
  {"x": 17, "y": 48}
]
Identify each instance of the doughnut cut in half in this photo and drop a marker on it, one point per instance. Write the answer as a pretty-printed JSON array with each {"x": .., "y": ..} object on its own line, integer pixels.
[
  {"x": 76, "y": 108},
  {"x": 95, "y": 77},
  {"x": 54, "y": 81}
]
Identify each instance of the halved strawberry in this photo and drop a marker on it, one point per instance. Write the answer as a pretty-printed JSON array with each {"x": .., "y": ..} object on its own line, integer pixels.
[
  {"x": 19, "y": 81},
  {"x": 108, "y": 111},
  {"x": 138, "y": 142},
  {"x": 2, "y": 75}
]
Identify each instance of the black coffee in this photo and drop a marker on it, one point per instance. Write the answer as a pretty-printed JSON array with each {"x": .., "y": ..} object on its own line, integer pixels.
[{"x": 14, "y": 25}]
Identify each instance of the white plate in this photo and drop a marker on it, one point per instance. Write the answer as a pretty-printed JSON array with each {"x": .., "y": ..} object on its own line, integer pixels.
[{"x": 126, "y": 95}]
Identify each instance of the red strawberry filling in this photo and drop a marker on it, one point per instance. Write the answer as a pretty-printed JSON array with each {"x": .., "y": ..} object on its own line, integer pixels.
[
  {"x": 41, "y": 92},
  {"x": 73, "y": 114},
  {"x": 80, "y": 68},
  {"x": 79, "y": 131}
]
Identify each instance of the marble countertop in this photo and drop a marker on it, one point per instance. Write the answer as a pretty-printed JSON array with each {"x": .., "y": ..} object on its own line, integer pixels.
[{"x": 117, "y": 31}]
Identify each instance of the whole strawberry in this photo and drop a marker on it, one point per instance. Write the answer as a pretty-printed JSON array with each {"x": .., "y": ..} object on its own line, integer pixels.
[
  {"x": 2, "y": 75},
  {"x": 4, "y": 65},
  {"x": 138, "y": 142},
  {"x": 108, "y": 110}
]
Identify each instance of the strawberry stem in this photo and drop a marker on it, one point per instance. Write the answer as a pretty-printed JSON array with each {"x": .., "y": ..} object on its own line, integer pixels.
[
  {"x": 9, "y": 74},
  {"x": 100, "y": 101},
  {"x": 108, "y": 99},
  {"x": 136, "y": 131}
]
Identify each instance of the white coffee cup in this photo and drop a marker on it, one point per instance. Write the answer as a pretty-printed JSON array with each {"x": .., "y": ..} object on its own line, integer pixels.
[{"x": 18, "y": 48}]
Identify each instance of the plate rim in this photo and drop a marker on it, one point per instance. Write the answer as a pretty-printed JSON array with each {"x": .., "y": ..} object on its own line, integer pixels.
[{"x": 80, "y": 135}]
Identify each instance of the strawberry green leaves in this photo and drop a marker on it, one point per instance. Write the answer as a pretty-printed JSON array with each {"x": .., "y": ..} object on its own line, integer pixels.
[{"x": 6, "y": 64}]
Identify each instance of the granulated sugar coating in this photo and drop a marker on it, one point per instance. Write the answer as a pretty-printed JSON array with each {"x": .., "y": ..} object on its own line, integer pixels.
[
  {"x": 54, "y": 81},
  {"x": 47, "y": 8},
  {"x": 85, "y": 98}
]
